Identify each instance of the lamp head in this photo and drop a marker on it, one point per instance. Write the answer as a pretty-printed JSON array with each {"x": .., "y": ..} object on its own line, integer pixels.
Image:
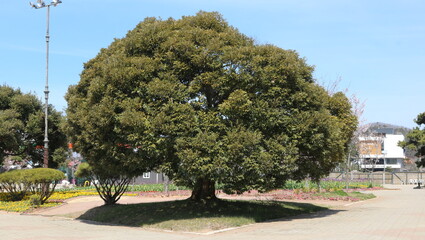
[
  {"x": 56, "y": 2},
  {"x": 39, "y": 4}
]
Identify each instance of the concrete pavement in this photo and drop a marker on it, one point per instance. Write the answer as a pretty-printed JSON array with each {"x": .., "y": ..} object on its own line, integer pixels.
[{"x": 395, "y": 214}]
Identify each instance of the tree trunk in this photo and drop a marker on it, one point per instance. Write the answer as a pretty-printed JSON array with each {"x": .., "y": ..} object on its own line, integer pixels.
[
  {"x": 109, "y": 200},
  {"x": 166, "y": 185},
  {"x": 204, "y": 190}
]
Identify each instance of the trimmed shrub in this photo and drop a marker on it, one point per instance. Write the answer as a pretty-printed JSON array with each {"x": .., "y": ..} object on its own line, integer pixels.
[
  {"x": 11, "y": 182},
  {"x": 110, "y": 188},
  {"x": 40, "y": 181}
]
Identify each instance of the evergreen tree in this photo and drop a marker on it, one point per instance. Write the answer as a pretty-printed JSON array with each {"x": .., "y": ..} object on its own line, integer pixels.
[
  {"x": 415, "y": 140},
  {"x": 205, "y": 104},
  {"x": 22, "y": 127}
]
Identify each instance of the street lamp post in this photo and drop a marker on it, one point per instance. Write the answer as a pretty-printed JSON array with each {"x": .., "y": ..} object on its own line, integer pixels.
[{"x": 41, "y": 4}]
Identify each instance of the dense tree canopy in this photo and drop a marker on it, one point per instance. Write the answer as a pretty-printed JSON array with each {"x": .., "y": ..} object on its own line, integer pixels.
[
  {"x": 205, "y": 104},
  {"x": 22, "y": 126},
  {"x": 415, "y": 140}
]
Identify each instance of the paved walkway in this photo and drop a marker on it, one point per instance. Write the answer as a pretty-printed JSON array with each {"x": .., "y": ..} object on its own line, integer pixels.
[{"x": 395, "y": 214}]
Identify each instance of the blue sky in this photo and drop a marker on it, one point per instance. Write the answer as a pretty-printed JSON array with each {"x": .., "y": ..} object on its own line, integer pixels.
[{"x": 375, "y": 49}]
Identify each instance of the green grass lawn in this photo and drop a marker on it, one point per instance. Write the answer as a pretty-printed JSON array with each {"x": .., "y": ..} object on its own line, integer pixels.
[
  {"x": 186, "y": 215},
  {"x": 341, "y": 193}
]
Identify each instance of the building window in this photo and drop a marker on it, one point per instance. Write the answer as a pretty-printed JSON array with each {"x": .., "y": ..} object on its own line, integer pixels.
[
  {"x": 147, "y": 175},
  {"x": 391, "y": 161}
]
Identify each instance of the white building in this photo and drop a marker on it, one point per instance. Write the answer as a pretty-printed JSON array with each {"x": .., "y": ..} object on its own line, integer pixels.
[{"x": 381, "y": 151}]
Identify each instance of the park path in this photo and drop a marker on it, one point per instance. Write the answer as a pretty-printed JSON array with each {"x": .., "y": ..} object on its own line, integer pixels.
[{"x": 395, "y": 214}]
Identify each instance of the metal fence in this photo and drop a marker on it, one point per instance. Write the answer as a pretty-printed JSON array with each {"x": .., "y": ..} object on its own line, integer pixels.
[{"x": 397, "y": 178}]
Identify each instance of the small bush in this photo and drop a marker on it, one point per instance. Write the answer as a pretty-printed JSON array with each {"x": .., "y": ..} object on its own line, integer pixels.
[
  {"x": 84, "y": 170},
  {"x": 35, "y": 200},
  {"x": 341, "y": 193}
]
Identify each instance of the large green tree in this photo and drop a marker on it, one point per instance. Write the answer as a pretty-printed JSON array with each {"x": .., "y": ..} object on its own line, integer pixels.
[
  {"x": 205, "y": 104},
  {"x": 22, "y": 126},
  {"x": 415, "y": 140}
]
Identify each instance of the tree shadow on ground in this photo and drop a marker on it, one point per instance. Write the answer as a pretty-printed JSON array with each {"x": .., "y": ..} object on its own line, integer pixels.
[{"x": 237, "y": 213}]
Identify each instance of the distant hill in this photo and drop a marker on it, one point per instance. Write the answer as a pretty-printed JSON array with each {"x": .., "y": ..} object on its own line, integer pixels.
[{"x": 372, "y": 127}]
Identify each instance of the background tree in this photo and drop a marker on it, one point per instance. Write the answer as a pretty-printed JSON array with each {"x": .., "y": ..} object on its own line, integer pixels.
[
  {"x": 325, "y": 135},
  {"x": 415, "y": 140},
  {"x": 203, "y": 103},
  {"x": 21, "y": 126}
]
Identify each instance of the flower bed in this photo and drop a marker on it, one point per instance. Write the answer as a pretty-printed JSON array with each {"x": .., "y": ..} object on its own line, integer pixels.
[
  {"x": 331, "y": 190},
  {"x": 351, "y": 195},
  {"x": 62, "y": 195},
  {"x": 57, "y": 198},
  {"x": 329, "y": 184},
  {"x": 23, "y": 206}
]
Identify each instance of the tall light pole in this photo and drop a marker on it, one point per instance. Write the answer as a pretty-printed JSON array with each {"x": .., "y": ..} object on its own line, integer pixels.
[{"x": 41, "y": 4}]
